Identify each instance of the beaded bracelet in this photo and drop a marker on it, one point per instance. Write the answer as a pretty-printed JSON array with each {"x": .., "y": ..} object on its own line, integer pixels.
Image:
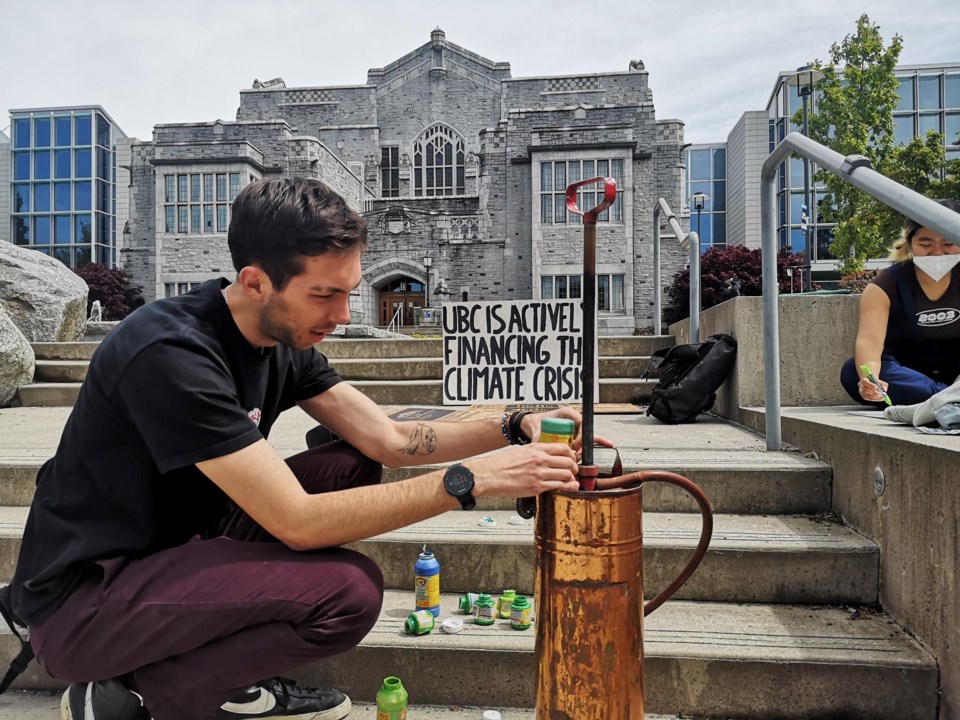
[
  {"x": 505, "y": 428},
  {"x": 516, "y": 432}
]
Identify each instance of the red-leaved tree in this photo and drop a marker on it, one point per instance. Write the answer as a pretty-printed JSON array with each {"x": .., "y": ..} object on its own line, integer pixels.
[{"x": 118, "y": 298}]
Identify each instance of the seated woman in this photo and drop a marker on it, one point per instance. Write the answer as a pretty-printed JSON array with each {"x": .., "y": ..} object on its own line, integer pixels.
[{"x": 909, "y": 333}]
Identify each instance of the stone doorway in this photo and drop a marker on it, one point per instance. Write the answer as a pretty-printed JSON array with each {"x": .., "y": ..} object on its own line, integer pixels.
[{"x": 402, "y": 294}]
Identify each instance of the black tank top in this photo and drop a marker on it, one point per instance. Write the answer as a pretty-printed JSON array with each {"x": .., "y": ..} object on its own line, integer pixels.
[{"x": 930, "y": 340}]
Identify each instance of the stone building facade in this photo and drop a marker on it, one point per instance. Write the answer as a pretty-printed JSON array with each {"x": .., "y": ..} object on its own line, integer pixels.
[{"x": 458, "y": 168}]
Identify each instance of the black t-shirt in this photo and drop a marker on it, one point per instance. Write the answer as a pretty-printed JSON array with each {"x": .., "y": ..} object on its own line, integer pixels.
[
  {"x": 174, "y": 384},
  {"x": 929, "y": 341}
]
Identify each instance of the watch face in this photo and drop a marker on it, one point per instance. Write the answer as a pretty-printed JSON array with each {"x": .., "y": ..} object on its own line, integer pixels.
[{"x": 458, "y": 480}]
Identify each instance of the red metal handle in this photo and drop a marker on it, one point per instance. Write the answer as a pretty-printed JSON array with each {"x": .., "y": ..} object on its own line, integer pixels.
[
  {"x": 706, "y": 512},
  {"x": 609, "y": 196}
]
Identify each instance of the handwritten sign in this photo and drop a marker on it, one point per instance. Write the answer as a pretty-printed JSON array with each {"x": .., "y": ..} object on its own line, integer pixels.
[{"x": 526, "y": 351}]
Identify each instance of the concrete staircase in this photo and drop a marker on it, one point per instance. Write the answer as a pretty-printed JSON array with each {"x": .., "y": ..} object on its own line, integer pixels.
[
  {"x": 391, "y": 372},
  {"x": 780, "y": 621}
]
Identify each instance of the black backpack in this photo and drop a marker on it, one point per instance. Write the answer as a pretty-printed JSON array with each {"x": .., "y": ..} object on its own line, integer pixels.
[
  {"x": 689, "y": 377},
  {"x": 25, "y": 655}
]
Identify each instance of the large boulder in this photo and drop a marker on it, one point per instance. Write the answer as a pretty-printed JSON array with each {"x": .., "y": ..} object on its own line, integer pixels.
[
  {"x": 43, "y": 297},
  {"x": 17, "y": 361}
]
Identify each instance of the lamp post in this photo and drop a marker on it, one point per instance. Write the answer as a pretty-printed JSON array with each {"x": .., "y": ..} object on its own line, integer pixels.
[
  {"x": 427, "y": 262},
  {"x": 804, "y": 79},
  {"x": 699, "y": 201}
]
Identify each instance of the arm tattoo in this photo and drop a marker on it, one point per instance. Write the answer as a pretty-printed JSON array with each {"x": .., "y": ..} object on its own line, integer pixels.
[{"x": 423, "y": 441}]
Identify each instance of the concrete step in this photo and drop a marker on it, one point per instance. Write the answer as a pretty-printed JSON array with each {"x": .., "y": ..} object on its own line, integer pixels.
[
  {"x": 59, "y": 394},
  {"x": 751, "y": 558},
  {"x": 738, "y": 482},
  {"x": 61, "y": 371},
  {"x": 64, "y": 350},
  {"x": 714, "y": 660},
  {"x": 745, "y": 482}
]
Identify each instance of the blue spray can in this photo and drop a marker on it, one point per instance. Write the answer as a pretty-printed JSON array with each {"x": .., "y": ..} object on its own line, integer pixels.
[{"x": 426, "y": 582}]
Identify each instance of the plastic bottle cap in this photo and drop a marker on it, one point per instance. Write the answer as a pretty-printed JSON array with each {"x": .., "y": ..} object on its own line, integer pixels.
[
  {"x": 517, "y": 520},
  {"x": 487, "y": 521},
  {"x": 491, "y": 715},
  {"x": 557, "y": 426},
  {"x": 452, "y": 625}
]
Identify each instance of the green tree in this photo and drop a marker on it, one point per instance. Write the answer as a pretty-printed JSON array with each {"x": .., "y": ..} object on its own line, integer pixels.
[{"x": 857, "y": 97}]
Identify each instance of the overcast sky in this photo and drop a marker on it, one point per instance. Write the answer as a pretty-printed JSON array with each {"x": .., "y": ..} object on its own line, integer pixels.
[{"x": 186, "y": 60}]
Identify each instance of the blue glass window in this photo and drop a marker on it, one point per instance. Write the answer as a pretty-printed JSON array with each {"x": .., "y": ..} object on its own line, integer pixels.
[
  {"x": 700, "y": 187},
  {"x": 699, "y": 165},
  {"x": 61, "y": 197},
  {"x": 906, "y": 94},
  {"x": 703, "y": 230},
  {"x": 103, "y": 131},
  {"x": 41, "y": 165},
  {"x": 61, "y": 131},
  {"x": 103, "y": 163},
  {"x": 103, "y": 228},
  {"x": 61, "y": 229},
  {"x": 105, "y": 256},
  {"x": 798, "y": 240},
  {"x": 82, "y": 164},
  {"x": 41, "y": 230},
  {"x": 169, "y": 218},
  {"x": 796, "y": 172},
  {"x": 41, "y": 197},
  {"x": 21, "y": 231},
  {"x": 82, "y": 225},
  {"x": 929, "y": 121},
  {"x": 21, "y": 133},
  {"x": 63, "y": 255},
  {"x": 103, "y": 196},
  {"x": 720, "y": 230},
  {"x": 82, "y": 125},
  {"x": 951, "y": 91},
  {"x": 796, "y": 207},
  {"x": 902, "y": 129},
  {"x": 719, "y": 198},
  {"x": 61, "y": 163},
  {"x": 719, "y": 163},
  {"x": 82, "y": 195},
  {"x": 221, "y": 218},
  {"x": 21, "y": 198},
  {"x": 82, "y": 254},
  {"x": 951, "y": 130},
  {"x": 41, "y": 132},
  {"x": 929, "y": 92},
  {"x": 21, "y": 166}
]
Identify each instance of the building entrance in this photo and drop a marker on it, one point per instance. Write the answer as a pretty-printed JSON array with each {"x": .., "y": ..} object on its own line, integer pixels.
[{"x": 402, "y": 296}]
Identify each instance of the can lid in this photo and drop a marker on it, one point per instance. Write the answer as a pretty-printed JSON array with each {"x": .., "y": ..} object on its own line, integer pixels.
[
  {"x": 487, "y": 522},
  {"x": 452, "y": 625},
  {"x": 516, "y": 520},
  {"x": 557, "y": 426},
  {"x": 509, "y": 593},
  {"x": 491, "y": 715}
]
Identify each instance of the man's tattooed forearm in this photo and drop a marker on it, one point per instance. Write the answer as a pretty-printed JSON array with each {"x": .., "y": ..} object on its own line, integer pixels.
[{"x": 423, "y": 441}]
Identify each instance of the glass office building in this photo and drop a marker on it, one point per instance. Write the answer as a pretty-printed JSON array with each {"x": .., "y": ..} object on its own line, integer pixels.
[
  {"x": 62, "y": 194},
  {"x": 707, "y": 174},
  {"x": 929, "y": 100}
]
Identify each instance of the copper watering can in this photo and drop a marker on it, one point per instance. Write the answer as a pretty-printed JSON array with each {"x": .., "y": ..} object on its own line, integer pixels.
[{"x": 589, "y": 559}]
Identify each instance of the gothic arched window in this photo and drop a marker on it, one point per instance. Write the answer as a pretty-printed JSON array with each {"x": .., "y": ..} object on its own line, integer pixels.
[{"x": 438, "y": 162}]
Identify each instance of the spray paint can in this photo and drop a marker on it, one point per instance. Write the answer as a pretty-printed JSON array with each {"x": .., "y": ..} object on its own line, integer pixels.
[
  {"x": 419, "y": 623},
  {"x": 486, "y": 610},
  {"x": 557, "y": 430},
  {"x": 521, "y": 614},
  {"x": 504, "y": 602},
  {"x": 392, "y": 700},
  {"x": 426, "y": 582},
  {"x": 468, "y": 602}
]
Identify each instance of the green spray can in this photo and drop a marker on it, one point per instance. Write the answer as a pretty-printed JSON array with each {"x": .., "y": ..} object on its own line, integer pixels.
[{"x": 392, "y": 700}]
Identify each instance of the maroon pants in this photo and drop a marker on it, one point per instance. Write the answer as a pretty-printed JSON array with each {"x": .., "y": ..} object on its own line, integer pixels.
[{"x": 199, "y": 623}]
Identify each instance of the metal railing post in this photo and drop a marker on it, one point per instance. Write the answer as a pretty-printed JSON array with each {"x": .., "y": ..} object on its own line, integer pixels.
[
  {"x": 693, "y": 239},
  {"x": 856, "y": 170},
  {"x": 662, "y": 206}
]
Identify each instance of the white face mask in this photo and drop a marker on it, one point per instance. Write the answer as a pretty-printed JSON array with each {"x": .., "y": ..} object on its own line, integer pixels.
[{"x": 936, "y": 266}]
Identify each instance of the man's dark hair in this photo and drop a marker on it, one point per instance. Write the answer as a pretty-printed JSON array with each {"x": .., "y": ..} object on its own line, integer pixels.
[{"x": 278, "y": 222}]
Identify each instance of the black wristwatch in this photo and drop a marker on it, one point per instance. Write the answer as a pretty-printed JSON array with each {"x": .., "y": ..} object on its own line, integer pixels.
[{"x": 458, "y": 481}]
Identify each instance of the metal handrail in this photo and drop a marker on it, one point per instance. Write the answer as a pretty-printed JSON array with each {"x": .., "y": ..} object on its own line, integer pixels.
[
  {"x": 856, "y": 170},
  {"x": 687, "y": 240},
  {"x": 394, "y": 325}
]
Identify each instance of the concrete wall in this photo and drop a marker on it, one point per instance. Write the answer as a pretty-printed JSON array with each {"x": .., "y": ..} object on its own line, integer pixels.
[
  {"x": 915, "y": 521},
  {"x": 816, "y": 337}
]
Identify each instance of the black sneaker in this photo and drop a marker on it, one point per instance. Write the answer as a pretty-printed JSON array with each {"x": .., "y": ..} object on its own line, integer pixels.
[
  {"x": 104, "y": 700},
  {"x": 281, "y": 698}
]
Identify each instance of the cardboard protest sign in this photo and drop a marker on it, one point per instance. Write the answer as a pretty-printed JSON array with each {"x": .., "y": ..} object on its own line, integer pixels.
[{"x": 524, "y": 351}]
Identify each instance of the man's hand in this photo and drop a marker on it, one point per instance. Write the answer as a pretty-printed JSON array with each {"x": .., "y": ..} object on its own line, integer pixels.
[{"x": 525, "y": 471}]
